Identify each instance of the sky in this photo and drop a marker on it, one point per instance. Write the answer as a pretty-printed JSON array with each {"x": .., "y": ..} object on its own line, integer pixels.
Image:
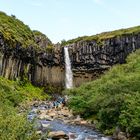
[{"x": 67, "y": 19}]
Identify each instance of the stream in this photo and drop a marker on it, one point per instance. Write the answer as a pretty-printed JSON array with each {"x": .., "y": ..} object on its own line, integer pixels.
[{"x": 52, "y": 116}]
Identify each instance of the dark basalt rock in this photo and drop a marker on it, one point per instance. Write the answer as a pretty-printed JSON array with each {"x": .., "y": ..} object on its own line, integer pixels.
[
  {"x": 89, "y": 55},
  {"x": 89, "y": 59}
]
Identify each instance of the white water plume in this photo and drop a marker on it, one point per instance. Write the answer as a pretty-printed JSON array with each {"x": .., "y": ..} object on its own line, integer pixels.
[{"x": 68, "y": 70}]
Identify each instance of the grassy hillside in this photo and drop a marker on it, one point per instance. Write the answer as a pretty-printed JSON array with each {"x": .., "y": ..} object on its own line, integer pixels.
[
  {"x": 12, "y": 94},
  {"x": 104, "y": 35},
  {"x": 42, "y": 36},
  {"x": 113, "y": 100},
  {"x": 15, "y": 31}
]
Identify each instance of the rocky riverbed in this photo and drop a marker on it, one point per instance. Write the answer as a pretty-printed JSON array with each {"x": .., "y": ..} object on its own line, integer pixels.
[{"x": 55, "y": 121}]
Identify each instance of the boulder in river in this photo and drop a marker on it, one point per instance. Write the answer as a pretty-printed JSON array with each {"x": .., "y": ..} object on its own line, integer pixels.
[
  {"x": 45, "y": 125},
  {"x": 72, "y": 136},
  {"x": 57, "y": 135},
  {"x": 121, "y": 136}
]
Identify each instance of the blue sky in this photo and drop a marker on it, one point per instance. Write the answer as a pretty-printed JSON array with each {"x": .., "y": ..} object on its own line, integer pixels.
[{"x": 67, "y": 19}]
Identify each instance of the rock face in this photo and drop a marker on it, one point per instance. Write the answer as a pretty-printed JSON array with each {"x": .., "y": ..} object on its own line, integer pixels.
[
  {"x": 90, "y": 58},
  {"x": 42, "y": 67}
]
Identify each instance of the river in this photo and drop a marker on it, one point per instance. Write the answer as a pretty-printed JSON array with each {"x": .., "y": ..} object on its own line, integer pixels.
[{"x": 53, "y": 116}]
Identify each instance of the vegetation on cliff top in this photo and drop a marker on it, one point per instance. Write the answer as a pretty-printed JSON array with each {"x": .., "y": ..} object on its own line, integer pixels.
[
  {"x": 14, "y": 30},
  {"x": 42, "y": 36},
  {"x": 43, "y": 41},
  {"x": 14, "y": 126},
  {"x": 113, "y": 100},
  {"x": 104, "y": 35}
]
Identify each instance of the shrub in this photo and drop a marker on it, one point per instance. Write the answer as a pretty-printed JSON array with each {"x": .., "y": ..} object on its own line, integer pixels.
[
  {"x": 14, "y": 126},
  {"x": 113, "y": 100}
]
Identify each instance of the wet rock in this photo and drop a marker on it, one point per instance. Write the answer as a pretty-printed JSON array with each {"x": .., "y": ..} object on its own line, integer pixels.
[
  {"x": 45, "y": 117},
  {"x": 52, "y": 114},
  {"x": 78, "y": 120},
  {"x": 39, "y": 132},
  {"x": 35, "y": 104},
  {"x": 45, "y": 125},
  {"x": 106, "y": 138},
  {"x": 57, "y": 135},
  {"x": 121, "y": 136},
  {"x": 90, "y": 138},
  {"x": 72, "y": 136},
  {"x": 38, "y": 126},
  {"x": 67, "y": 121},
  {"x": 83, "y": 122}
]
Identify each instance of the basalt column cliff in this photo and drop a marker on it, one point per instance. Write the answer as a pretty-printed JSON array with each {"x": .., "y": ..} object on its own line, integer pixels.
[
  {"x": 91, "y": 58},
  {"x": 30, "y": 54},
  {"x": 41, "y": 66}
]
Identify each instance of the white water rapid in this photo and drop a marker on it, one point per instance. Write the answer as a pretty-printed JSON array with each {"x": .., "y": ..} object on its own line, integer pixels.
[{"x": 68, "y": 70}]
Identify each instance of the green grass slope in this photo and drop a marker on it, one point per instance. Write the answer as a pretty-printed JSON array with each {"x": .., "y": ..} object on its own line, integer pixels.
[
  {"x": 104, "y": 35},
  {"x": 113, "y": 100},
  {"x": 15, "y": 31},
  {"x": 12, "y": 94}
]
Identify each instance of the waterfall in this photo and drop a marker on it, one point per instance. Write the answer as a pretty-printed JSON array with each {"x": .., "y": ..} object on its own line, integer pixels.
[{"x": 68, "y": 70}]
